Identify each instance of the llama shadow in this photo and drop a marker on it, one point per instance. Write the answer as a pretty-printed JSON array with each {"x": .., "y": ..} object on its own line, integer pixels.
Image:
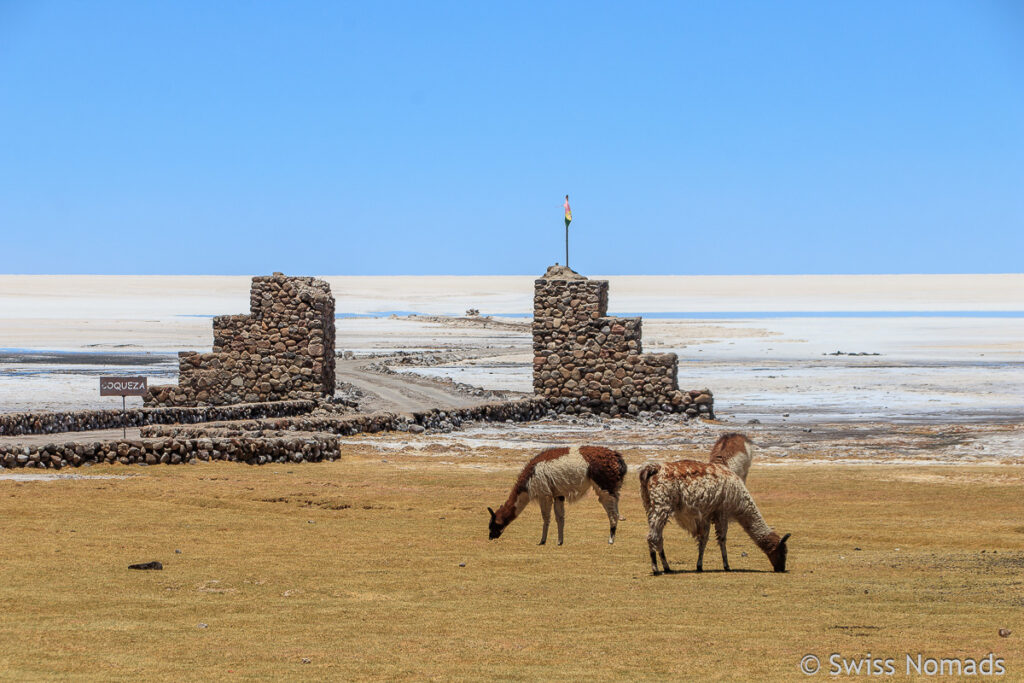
[{"x": 716, "y": 571}]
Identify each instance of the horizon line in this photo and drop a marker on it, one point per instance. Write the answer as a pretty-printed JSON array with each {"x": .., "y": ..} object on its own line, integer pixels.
[{"x": 262, "y": 273}]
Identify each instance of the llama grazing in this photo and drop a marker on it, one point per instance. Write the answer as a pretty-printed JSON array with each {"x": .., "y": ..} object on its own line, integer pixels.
[
  {"x": 557, "y": 475},
  {"x": 698, "y": 494},
  {"x": 736, "y": 452}
]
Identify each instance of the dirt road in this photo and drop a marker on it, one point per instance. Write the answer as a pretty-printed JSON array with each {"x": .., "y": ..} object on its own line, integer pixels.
[{"x": 403, "y": 393}]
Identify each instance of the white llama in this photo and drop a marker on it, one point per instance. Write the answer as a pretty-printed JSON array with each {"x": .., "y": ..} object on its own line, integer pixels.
[{"x": 557, "y": 475}]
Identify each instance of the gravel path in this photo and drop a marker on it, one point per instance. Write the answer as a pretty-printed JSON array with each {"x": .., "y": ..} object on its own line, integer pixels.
[{"x": 398, "y": 393}]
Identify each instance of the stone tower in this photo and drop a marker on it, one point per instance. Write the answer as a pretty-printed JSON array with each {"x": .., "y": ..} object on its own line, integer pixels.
[
  {"x": 588, "y": 362},
  {"x": 282, "y": 349}
]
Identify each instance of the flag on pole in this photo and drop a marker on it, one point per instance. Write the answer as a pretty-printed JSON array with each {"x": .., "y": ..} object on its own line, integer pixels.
[{"x": 568, "y": 212}]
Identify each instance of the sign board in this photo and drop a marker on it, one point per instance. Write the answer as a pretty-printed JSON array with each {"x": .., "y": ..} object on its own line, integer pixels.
[{"x": 122, "y": 386}]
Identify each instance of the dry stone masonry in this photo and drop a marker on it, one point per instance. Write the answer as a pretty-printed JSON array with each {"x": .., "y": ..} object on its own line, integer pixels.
[
  {"x": 282, "y": 350},
  {"x": 587, "y": 362},
  {"x": 300, "y": 438},
  {"x": 16, "y": 424},
  {"x": 321, "y": 421}
]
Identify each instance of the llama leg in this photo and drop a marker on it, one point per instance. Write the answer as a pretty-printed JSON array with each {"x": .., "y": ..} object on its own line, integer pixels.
[
  {"x": 545, "y": 513},
  {"x": 611, "y": 506},
  {"x": 703, "y": 531},
  {"x": 721, "y": 529},
  {"x": 560, "y": 516},
  {"x": 656, "y": 541}
]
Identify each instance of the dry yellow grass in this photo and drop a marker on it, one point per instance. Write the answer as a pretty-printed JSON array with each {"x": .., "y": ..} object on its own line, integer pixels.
[{"x": 354, "y": 565}]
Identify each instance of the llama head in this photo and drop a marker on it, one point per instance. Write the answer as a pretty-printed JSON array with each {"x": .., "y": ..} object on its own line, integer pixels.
[
  {"x": 497, "y": 525},
  {"x": 777, "y": 555}
]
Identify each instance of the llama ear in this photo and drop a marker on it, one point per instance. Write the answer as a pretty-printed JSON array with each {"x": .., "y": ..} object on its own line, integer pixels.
[
  {"x": 785, "y": 538},
  {"x": 492, "y": 512}
]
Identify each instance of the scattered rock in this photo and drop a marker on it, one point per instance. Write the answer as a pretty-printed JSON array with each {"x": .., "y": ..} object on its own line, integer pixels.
[
  {"x": 856, "y": 353},
  {"x": 202, "y": 625},
  {"x": 1005, "y": 633},
  {"x": 462, "y": 564},
  {"x": 755, "y": 421},
  {"x": 146, "y": 565},
  {"x": 306, "y": 660}
]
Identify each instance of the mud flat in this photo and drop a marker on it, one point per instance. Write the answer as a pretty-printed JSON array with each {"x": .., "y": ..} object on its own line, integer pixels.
[{"x": 789, "y": 352}]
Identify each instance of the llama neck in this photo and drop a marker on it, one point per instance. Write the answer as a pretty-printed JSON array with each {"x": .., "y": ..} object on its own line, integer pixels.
[
  {"x": 514, "y": 505},
  {"x": 740, "y": 464},
  {"x": 753, "y": 523}
]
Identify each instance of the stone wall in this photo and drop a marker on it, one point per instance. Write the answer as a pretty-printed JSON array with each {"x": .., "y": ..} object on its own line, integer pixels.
[
  {"x": 308, "y": 438},
  {"x": 522, "y": 410},
  {"x": 15, "y": 424},
  {"x": 173, "y": 451},
  {"x": 587, "y": 362},
  {"x": 282, "y": 350}
]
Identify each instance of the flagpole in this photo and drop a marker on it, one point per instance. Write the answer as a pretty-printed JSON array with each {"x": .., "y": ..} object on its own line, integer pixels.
[{"x": 568, "y": 219}]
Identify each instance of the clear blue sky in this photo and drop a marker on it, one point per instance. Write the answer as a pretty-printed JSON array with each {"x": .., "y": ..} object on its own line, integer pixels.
[{"x": 440, "y": 137}]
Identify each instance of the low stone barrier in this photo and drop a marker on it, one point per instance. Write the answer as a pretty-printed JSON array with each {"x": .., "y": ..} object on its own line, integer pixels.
[
  {"x": 173, "y": 451},
  {"x": 15, "y": 424},
  {"x": 693, "y": 403},
  {"x": 296, "y": 438},
  {"x": 249, "y": 441},
  {"x": 523, "y": 410}
]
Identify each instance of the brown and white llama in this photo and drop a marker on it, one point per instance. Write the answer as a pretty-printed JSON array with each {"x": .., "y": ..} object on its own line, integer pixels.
[
  {"x": 557, "y": 475},
  {"x": 735, "y": 451},
  {"x": 698, "y": 494}
]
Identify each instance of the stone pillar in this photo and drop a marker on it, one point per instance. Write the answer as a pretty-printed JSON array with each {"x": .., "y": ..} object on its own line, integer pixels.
[
  {"x": 585, "y": 361},
  {"x": 282, "y": 350}
]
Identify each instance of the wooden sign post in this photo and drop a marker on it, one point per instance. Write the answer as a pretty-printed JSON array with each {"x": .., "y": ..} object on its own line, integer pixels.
[{"x": 123, "y": 386}]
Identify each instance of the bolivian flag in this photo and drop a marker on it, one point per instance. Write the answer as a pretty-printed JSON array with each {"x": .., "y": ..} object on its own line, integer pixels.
[{"x": 568, "y": 212}]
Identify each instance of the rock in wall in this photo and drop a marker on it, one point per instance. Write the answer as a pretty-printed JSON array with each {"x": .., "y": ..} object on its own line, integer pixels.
[
  {"x": 588, "y": 362},
  {"x": 282, "y": 350}
]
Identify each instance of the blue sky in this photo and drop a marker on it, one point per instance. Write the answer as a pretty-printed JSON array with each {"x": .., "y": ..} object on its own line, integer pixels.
[{"x": 440, "y": 138}]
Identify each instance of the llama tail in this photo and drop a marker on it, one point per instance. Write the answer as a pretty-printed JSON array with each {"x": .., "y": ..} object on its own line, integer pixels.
[{"x": 646, "y": 472}]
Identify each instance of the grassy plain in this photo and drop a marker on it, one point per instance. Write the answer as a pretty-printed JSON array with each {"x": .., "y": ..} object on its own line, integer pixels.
[{"x": 351, "y": 570}]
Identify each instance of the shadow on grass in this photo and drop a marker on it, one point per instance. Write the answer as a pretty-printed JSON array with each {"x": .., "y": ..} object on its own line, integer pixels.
[{"x": 715, "y": 571}]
